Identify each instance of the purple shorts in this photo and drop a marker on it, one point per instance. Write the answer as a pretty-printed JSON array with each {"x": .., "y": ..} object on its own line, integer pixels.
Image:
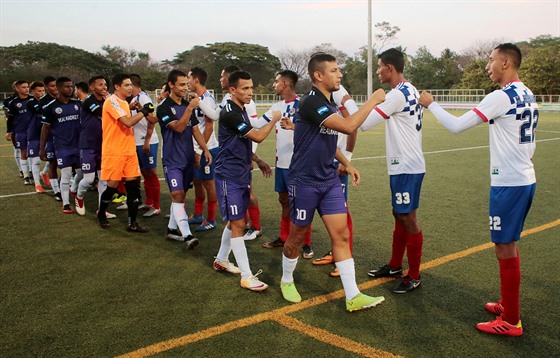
[
  {"x": 67, "y": 157},
  {"x": 33, "y": 148},
  {"x": 49, "y": 148},
  {"x": 233, "y": 199},
  {"x": 304, "y": 201},
  {"x": 91, "y": 160},
  {"x": 178, "y": 178},
  {"x": 21, "y": 140}
]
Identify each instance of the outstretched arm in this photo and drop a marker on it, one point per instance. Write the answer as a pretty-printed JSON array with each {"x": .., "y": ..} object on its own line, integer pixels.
[{"x": 452, "y": 123}]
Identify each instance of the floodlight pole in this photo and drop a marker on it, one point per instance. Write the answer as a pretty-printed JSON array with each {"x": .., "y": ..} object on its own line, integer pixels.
[{"x": 369, "y": 59}]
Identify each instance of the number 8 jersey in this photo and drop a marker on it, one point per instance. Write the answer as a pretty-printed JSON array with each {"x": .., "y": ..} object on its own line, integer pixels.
[{"x": 512, "y": 114}]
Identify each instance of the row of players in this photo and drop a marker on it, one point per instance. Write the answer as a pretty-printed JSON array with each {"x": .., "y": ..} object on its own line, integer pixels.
[{"x": 311, "y": 178}]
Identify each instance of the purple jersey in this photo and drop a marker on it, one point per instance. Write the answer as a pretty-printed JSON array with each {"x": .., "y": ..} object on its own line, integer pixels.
[
  {"x": 35, "y": 125},
  {"x": 235, "y": 155},
  {"x": 314, "y": 145},
  {"x": 91, "y": 131},
  {"x": 64, "y": 119},
  {"x": 177, "y": 150},
  {"x": 43, "y": 103},
  {"x": 22, "y": 116}
]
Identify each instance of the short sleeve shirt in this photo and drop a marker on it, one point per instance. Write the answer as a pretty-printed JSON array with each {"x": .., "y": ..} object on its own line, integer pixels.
[
  {"x": 91, "y": 128},
  {"x": 64, "y": 119},
  {"x": 141, "y": 128},
  {"x": 118, "y": 139}
]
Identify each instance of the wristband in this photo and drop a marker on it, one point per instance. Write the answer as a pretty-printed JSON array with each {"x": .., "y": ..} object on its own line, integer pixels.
[
  {"x": 198, "y": 151},
  {"x": 348, "y": 155}
]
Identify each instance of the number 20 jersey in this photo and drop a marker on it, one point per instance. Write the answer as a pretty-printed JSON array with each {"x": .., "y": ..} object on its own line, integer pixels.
[{"x": 512, "y": 114}]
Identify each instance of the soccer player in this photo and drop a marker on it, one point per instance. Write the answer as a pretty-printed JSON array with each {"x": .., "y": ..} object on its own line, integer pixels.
[
  {"x": 204, "y": 171},
  {"x": 233, "y": 176},
  {"x": 17, "y": 109},
  {"x": 50, "y": 172},
  {"x": 178, "y": 127},
  {"x": 91, "y": 135},
  {"x": 119, "y": 159},
  {"x": 81, "y": 91},
  {"x": 34, "y": 133},
  {"x": 62, "y": 117},
  {"x": 147, "y": 144},
  {"x": 512, "y": 114},
  {"x": 406, "y": 167},
  {"x": 313, "y": 181},
  {"x": 10, "y": 125}
]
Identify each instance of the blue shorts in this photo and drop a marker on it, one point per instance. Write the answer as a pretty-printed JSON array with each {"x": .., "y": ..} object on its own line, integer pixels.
[
  {"x": 21, "y": 140},
  {"x": 178, "y": 178},
  {"x": 91, "y": 160},
  {"x": 304, "y": 201},
  {"x": 67, "y": 158},
  {"x": 405, "y": 192},
  {"x": 147, "y": 160},
  {"x": 509, "y": 206},
  {"x": 281, "y": 180},
  {"x": 51, "y": 154},
  {"x": 33, "y": 148},
  {"x": 206, "y": 172},
  {"x": 233, "y": 199}
]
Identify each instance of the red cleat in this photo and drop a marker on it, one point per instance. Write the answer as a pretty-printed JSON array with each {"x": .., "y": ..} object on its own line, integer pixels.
[
  {"x": 46, "y": 179},
  {"x": 501, "y": 328},
  {"x": 495, "y": 307}
]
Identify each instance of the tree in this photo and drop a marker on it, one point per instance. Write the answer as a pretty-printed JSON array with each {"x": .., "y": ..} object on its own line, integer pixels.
[
  {"x": 475, "y": 76},
  {"x": 422, "y": 69},
  {"x": 385, "y": 34},
  {"x": 540, "y": 70}
]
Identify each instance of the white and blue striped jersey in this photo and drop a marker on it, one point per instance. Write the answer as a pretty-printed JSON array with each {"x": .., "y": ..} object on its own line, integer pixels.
[{"x": 210, "y": 102}]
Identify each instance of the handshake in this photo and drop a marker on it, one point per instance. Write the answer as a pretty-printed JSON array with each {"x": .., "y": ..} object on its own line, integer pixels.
[{"x": 147, "y": 109}]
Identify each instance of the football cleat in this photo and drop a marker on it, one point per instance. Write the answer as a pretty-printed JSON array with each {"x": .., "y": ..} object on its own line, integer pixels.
[
  {"x": 495, "y": 307},
  {"x": 325, "y": 260},
  {"x": 206, "y": 225},
  {"x": 190, "y": 242},
  {"x": 196, "y": 219},
  {"x": 135, "y": 227},
  {"x": 58, "y": 196},
  {"x": 20, "y": 174},
  {"x": 407, "y": 284},
  {"x": 119, "y": 198},
  {"x": 27, "y": 181},
  {"x": 253, "y": 283},
  {"x": 385, "y": 271},
  {"x": 361, "y": 301},
  {"x": 252, "y": 234},
  {"x": 152, "y": 212},
  {"x": 307, "y": 252},
  {"x": 102, "y": 221},
  {"x": 79, "y": 203},
  {"x": 39, "y": 189},
  {"x": 334, "y": 273},
  {"x": 276, "y": 243},
  {"x": 225, "y": 266},
  {"x": 144, "y": 207},
  {"x": 46, "y": 179},
  {"x": 501, "y": 327},
  {"x": 123, "y": 206},
  {"x": 66, "y": 209},
  {"x": 289, "y": 292},
  {"x": 174, "y": 234}
]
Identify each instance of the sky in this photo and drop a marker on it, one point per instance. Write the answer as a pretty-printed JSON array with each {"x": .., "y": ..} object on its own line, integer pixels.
[{"x": 167, "y": 27}]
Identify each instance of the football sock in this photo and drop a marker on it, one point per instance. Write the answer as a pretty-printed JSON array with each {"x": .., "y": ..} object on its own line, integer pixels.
[
  {"x": 24, "y": 167},
  {"x": 255, "y": 215},
  {"x": 348, "y": 278},
  {"x": 17, "y": 158},
  {"x": 156, "y": 191},
  {"x": 106, "y": 198},
  {"x": 45, "y": 168},
  {"x": 84, "y": 184},
  {"x": 288, "y": 268},
  {"x": 121, "y": 187},
  {"x": 225, "y": 247},
  {"x": 172, "y": 224},
  {"x": 101, "y": 186},
  {"x": 399, "y": 245},
  {"x": 284, "y": 228},
  {"x": 212, "y": 205},
  {"x": 351, "y": 230},
  {"x": 414, "y": 253},
  {"x": 199, "y": 205},
  {"x": 510, "y": 279},
  {"x": 54, "y": 185},
  {"x": 132, "y": 199},
  {"x": 181, "y": 218},
  {"x": 148, "y": 191},
  {"x": 240, "y": 254},
  {"x": 66, "y": 174},
  {"x": 36, "y": 169},
  {"x": 77, "y": 179}
]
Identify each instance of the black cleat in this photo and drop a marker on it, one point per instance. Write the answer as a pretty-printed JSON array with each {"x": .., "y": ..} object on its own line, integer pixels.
[
  {"x": 407, "y": 284},
  {"x": 58, "y": 196},
  {"x": 103, "y": 222},
  {"x": 27, "y": 181},
  {"x": 135, "y": 227},
  {"x": 275, "y": 243},
  {"x": 174, "y": 234},
  {"x": 385, "y": 271},
  {"x": 190, "y": 242}
]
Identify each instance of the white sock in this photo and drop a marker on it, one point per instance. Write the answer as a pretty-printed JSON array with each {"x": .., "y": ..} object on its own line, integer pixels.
[
  {"x": 24, "y": 167},
  {"x": 181, "y": 218},
  {"x": 84, "y": 184},
  {"x": 54, "y": 185},
  {"x": 77, "y": 179},
  {"x": 225, "y": 246},
  {"x": 240, "y": 254},
  {"x": 348, "y": 277},
  {"x": 101, "y": 186},
  {"x": 17, "y": 157},
  {"x": 66, "y": 174},
  {"x": 288, "y": 268},
  {"x": 45, "y": 169},
  {"x": 172, "y": 222},
  {"x": 36, "y": 169}
]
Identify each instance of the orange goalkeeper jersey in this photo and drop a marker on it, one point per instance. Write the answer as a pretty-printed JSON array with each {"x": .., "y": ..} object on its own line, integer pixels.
[{"x": 118, "y": 139}]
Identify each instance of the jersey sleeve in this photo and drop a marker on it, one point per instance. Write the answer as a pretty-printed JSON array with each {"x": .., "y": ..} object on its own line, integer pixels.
[
  {"x": 493, "y": 105},
  {"x": 48, "y": 116},
  {"x": 394, "y": 102},
  {"x": 144, "y": 98},
  {"x": 339, "y": 95},
  {"x": 313, "y": 109},
  {"x": 208, "y": 107},
  {"x": 251, "y": 109},
  {"x": 165, "y": 115},
  {"x": 91, "y": 106},
  {"x": 235, "y": 122},
  {"x": 114, "y": 110}
]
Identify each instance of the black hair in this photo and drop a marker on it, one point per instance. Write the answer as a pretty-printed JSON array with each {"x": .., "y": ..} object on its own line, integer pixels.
[
  {"x": 95, "y": 78},
  {"x": 316, "y": 63},
  {"x": 512, "y": 52},
  {"x": 61, "y": 80},
  {"x": 291, "y": 75},
  {"x": 231, "y": 69},
  {"x": 174, "y": 74},
  {"x": 119, "y": 78},
  {"x": 394, "y": 58},
  {"x": 235, "y": 76},
  {"x": 36, "y": 84},
  {"x": 136, "y": 80},
  {"x": 83, "y": 86},
  {"x": 48, "y": 79},
  {"x": 200, "y": 74},
  {"x": 20, "y": 82}
]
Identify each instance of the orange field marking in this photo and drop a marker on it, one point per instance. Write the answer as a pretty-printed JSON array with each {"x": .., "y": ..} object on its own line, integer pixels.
[{"x": 280, "y": 315}]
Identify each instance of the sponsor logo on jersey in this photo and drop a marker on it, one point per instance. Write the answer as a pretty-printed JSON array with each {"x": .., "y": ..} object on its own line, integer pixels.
[
  {"x": 58, "y": 110},
  {"x": 18, "y": 105},
  {"x": 322, "y": 110},
  {"x": 328, "y": 131},
  {"x": 395, "y": 161},
  {"x": 495, "y": 171}
]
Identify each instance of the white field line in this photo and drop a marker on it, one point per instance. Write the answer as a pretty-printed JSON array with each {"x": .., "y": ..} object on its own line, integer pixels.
[{"x": 362, "y": 158}]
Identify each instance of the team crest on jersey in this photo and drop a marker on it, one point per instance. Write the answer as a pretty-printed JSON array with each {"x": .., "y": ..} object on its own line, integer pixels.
[
  {"x": 495, "y": 171},
  {"x": 18, "y": 105},
  {"x": 292, "y": 112},
  {"x": 76, "y": 107},
  {"x": 173, "y": 111},
  {"x": 58, "y": 110},
  {"x": 395, "y": 161},
  {"x": 322, "y": 110}
]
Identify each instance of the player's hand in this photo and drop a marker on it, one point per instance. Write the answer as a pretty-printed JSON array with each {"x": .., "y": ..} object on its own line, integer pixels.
[
  {"x": 378, "y": 96},
  {"x": 345, "y": 98},
  {"x": 9, "y": 136},
  {"x": 146, "y": 148},
  {"x": 197, "y": 158},
  {"x": 208, "y": 157},
  {"x": 135, "y": 105},
  {"x": 341, "y": 170},
  {"x": 193, "y": 103},
  {"x": 43, "y": 154},
  {"x": 425, "y": 99},
  {"x": 265, "y": 168},
  {"x": 147, "y": 109},
  {"x": 276, "y": 116},
  {"x": 286, "y": 123},
  {"x": 355, "y": 174}
]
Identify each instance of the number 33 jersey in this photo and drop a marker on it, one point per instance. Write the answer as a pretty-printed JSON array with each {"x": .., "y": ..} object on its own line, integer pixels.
[{"x": 512, "y": 114}]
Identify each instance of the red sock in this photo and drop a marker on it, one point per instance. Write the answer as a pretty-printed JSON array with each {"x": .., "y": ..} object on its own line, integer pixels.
[
  {"x": 284, "y": 228},
  {"x": 351, "y": 229},
  {"x": 212, "y": 210},
  {"x": 198, "y": 205},
  {"x": 255, "y": 215},
  {"x": 155, "y": 192},
  {"x": 510, "y": 279},
  {"x": 148, "y": 191},
  {"x": 399, "y": 245},
  {"x": 414, "y": 253},
  {"x": 307, "y": 240},
  {"x": 121, "y": 188}
]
